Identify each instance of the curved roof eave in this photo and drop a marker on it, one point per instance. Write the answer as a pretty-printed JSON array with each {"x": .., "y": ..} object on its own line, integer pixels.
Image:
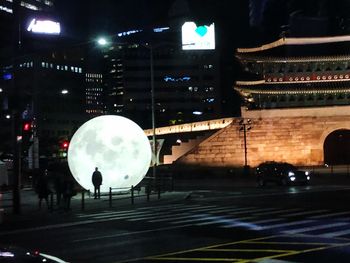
[{"x": 296, "y": 41}]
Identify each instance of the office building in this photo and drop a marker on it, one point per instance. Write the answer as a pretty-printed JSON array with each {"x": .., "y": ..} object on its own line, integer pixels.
[{"x": 186, "y": 83}]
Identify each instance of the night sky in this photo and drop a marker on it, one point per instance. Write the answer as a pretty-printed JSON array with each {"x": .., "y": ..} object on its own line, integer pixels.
[{"x": 86, "y": 18}]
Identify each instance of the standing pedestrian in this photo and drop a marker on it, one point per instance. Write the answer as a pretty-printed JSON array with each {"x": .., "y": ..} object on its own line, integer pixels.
[
  {"x": 68, "y": 191},
  {"x": 97, "y": 182},
  {"x": 58, "y": 187},
  {"x": 42, "y": 188}
]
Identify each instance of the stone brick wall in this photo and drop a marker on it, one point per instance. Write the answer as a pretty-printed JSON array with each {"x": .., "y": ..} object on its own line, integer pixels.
[{"x": 292, "y": 135}]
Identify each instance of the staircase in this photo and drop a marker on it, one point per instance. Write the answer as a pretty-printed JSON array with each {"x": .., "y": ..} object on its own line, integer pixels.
[{"x": 184, "y": 147}]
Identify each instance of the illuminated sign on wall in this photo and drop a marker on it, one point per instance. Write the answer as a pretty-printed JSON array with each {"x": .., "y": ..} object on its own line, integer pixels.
[
  {"x": 44, "y": 27},
  {"x": 197, "y": 37},
  {"x": 172, "y": 79},
  {"x": 7, "y": 76}
]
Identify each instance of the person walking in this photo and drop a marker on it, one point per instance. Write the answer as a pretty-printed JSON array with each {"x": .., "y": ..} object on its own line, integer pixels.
[{"x": 97, "y": 182}]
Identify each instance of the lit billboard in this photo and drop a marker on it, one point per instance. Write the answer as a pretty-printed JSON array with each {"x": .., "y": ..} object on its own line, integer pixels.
[
  {"x": 44, "y": 27},
  {"x": 195, "y": 37}
]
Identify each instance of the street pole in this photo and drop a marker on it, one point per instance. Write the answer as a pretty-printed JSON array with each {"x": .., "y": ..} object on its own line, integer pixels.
[
  {"x": 16, "y": 200},
  {"x": 245, "y": 145},
  {"x": 153, "y": 112}
]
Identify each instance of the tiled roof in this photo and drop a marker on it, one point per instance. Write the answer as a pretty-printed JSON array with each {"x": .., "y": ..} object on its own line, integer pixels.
[
  {"x": 296, "y": 41},
  {"x": 293, "y": 87}
]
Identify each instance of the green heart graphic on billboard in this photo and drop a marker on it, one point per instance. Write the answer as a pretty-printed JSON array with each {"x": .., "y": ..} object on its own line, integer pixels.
[{"x": 201, "y": 30}]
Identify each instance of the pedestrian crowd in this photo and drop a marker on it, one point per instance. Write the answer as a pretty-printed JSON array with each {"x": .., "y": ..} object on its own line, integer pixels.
[
  {"x": 62, "y": 185},
  {"x": 55, "y": 183}
]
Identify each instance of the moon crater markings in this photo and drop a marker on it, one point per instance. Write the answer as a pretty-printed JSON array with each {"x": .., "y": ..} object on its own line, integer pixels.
[{"x": 114, "y": 144}]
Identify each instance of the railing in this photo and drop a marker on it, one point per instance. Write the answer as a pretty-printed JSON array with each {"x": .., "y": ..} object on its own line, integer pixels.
[{"x": 152, "y": 186}]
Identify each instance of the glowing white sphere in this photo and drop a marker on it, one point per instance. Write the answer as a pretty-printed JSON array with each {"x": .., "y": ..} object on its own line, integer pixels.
[{"x": 116, "y": 145}]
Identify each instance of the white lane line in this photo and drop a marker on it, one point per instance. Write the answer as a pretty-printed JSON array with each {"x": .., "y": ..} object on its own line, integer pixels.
[
  {"x": 329, "y": 215},
  {"x": 286, "y": 224},
  {"x": 305, "y": 213},
  {"x": 279, "y": 211},
  {"x": 336, "y": 233},
  {"x": 311, "y": 228},
  {"x": 131, "y": 233},
  {"x": 219, "y": 220},
  {"x": 11, "y": 232}
]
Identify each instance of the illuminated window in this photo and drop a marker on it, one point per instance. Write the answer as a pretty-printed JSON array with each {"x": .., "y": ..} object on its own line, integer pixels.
[
  {"x": 6, "y": 9},
  {"x": 29, "y": 6},
  {"x": 49, "y": 3}
]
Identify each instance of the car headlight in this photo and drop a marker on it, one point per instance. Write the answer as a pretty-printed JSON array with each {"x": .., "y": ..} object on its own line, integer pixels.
[
  {"x": 292, "y": 178},
  {"x": 308, "y": 177},
  {"x": 291, "y": 174},
  {"x": 307, "y": 173}
]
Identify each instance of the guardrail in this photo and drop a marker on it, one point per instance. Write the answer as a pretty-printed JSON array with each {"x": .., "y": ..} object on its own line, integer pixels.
[{"x": 152, "y": 186}]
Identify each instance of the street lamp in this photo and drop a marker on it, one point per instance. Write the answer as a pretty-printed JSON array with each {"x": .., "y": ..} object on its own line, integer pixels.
[
  {"x": 102, "y": 41},
  {"x": 245, "y": 127}
]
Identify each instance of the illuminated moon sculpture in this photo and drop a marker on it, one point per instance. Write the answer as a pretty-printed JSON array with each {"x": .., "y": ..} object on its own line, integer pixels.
[{"x": 116, "y": 145}]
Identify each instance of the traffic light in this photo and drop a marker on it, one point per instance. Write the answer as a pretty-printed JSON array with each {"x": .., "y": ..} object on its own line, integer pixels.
[
  {"x": 64, "y": 145},
  {"x": 27, "y": 134}
]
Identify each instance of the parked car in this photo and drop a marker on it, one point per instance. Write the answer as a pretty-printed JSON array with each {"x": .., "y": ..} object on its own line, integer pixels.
[{"x": 281, "y": 173}]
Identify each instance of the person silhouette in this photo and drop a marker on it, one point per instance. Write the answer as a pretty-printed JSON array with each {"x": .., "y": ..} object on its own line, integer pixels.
[
  {"x": 97, "y": 182},
  {"x": 42, "y": 188}
]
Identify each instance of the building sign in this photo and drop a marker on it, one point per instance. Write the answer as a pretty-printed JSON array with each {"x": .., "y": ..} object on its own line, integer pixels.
[
  {"x": 197, "y": 37},
  {"x": 44, "y": 27}
]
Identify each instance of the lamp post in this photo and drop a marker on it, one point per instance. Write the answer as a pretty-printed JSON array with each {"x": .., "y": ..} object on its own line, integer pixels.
[
  {"x": 153, "y": 112},
  {"x": 245, "y": 127}
]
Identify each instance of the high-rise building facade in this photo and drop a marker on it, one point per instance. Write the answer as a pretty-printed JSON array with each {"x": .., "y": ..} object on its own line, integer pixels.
[
  {"x": 7, "y": 6},
  {"x": 186, "y": 83}
]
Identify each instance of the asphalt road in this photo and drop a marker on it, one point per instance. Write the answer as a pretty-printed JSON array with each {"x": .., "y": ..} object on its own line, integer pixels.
[{"x": 231, "y": 224}]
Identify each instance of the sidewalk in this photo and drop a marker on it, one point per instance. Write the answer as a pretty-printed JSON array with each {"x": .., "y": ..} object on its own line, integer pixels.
[{"x": 31, "y": 215}]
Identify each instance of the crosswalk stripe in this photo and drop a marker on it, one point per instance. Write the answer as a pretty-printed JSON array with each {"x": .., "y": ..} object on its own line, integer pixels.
[
  {"x": 99, "y": 214},
  {"x": 131, "y": 215},
  {"x": 168, "y": 217},
  {"x": 252, "y": 211},
  {"x": 148, "y": 214},
  {"x": 336, "y": 233},
  {"x": 115, "y": 213},
  {"x": 305, "y": 213},
  {"x": 286, "y": 224},
  {"x": 251, "y": 225},
  {"x": 329, "y": 215},
  {"x": 164, "y": 206},
  {"x": 174, "y": 218},
  {"x": 318, "y": 227}
]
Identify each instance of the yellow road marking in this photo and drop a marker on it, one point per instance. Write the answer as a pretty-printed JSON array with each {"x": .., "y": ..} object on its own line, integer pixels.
[
  {"x": 246, "y": 250},
  {"x": 288, "y": 243},
  {"x": 196, "y": 259}
]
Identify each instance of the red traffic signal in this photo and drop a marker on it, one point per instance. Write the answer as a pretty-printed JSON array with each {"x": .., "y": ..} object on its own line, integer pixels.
[
  {"x": 27, "y": 126},
  {"x": 64, "y": 144}
]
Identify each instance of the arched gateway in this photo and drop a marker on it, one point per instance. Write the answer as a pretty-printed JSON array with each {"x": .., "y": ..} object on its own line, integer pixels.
[{"x": 337, "y": 147}]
